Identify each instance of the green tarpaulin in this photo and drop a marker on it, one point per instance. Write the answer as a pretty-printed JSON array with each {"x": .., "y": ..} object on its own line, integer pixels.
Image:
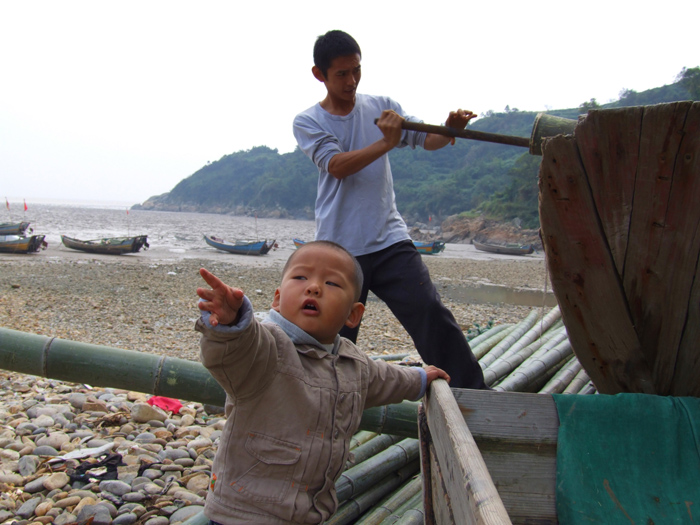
[{"x": 629, "y": 459}]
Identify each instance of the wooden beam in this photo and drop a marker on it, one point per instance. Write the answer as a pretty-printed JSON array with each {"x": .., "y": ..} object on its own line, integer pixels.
[{"x": 473, "y": 496}]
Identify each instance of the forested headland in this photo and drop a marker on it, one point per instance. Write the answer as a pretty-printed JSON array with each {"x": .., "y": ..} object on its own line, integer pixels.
[{"x": 471, "y": 178}]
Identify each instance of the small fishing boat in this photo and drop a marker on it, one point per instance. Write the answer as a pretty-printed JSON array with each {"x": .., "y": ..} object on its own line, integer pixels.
[
  {"x": 240, "y": 247},
  {"x": 21, "y": 244},
  {"x": 13, "y": 228},
  {"x": 108, "y": 245},
  {"x": 504, "y": 249},
  {"x": 430, "y": 247}
]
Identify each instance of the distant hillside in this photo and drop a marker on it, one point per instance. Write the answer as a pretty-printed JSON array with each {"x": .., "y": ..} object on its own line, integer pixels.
[{"x": 471, "y": 177}]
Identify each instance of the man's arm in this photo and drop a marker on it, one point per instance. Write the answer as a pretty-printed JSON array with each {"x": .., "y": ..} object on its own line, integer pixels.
[
  {"x": 456, "y": 119},
  {"x": 350, "y": 162}
]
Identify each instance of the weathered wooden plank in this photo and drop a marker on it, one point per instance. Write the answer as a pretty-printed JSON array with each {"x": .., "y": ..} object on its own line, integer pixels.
[
  {"x": 517, "y": 436},
  {"x": 463, "y": 469},
  {"x": 514, "y": 418},
  {"x": 608, "y": 142},
  {"x": 584, "y": 276},
  {"x": 663, "y": 248},
  {"x": 685, "y": 379},
  {"x": 661, "y": 137},
  {"x": 424, "y": 441},
  {"x": 441, "y": 501}
]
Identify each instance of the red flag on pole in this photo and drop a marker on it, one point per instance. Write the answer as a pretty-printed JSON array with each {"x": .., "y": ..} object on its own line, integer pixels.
[
  {"x": 7, "y": 203},
  {"x": 25, "y": 204}
]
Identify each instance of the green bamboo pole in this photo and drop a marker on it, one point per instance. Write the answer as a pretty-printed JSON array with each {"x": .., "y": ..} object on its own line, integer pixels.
[
  {"x": 414, "y": 502},
  {"x": 357, "y": 479},
  {"x": 371, "y": 448},
  {"x": 504, "y": 365},
  {"x": 484, "y": 347},
  {"x": 537, "y": 332},
  {"x": 414, "y": 516},
  {"x": 588, "y": 388},
  {"x": 104, "y": 366},
  {"x": 391, "y": 503},
  {"x": 360, "y": 438},
  {"x": 577, "y": 383},
  {"x": 487, "y": 334},
  {"x": 355, "y": 507},
  {"x": 520, "y": 330},
  {"x": 531, "y": 370},
  {"x": 563, "y": 377}
]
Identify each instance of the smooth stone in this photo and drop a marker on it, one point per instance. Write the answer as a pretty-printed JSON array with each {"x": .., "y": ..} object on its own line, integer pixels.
[
  {"x": 96, "y": 443},
  {"x": 143, "y": 412},
  {"x": 56, "y": 480},
  {"x": 95, "y": 406},
  {"x": 35, "y": 486},
  {"x": 68, "y": 501},
  {"x": 65, "y": 519},
  {"x": 185, "y": 462},
  {"x": 199, "y": 443},
  {"x": 173, "y": 454},
  {"x": 116, "y": 487},
  {"x": 110, "y": 507},
  {"x": 5, "y": 515},
  {"x": 134, "y": 508},
  {"x": 85, "y": 502},
  {"x": 155, "y": 423},
  {"x": 54, "y": 440},
  {"x": 45, "y": 451},
  {"x": 11, "y": 478},
  {"x": 77, "y": 400},
  {"x": 198, "y": 483},
  {"x": 99, "y": 514},
  {"x": 134, "y": 497},
  {"x": 173, "y": 467},
  {"x": 151, "y": 488},
  {"x": 43, "y": 507},
  {"x": 158, "y": 520},
  {"x": 44, "y": 421},
  {"x": 7, "y": 454},
  {"x": 186, "y": 420},
  {"x": 152, "y": 473},
  {"x": 126, "y": 518},
  {"x": 28, "y": 507},
  {"x": 185, "y": 513},
  {"x": 145, "y": 437},
  {"x": 188, "y": 496}
]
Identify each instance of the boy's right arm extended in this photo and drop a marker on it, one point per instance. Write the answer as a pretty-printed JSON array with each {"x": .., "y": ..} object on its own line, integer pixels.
[{"x": 242, "y": 358}]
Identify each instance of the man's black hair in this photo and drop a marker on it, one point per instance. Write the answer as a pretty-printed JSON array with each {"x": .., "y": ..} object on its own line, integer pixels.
[{"x": 332, "y": 45}]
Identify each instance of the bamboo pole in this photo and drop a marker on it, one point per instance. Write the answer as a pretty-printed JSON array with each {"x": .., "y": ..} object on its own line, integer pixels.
[
  {"x": 506, "y": 364},
  {"x": 104, "y": 366},
  {"x": 487, "y": 334},
  {"x": 546, "y": 324},
  {"x": 578, "y": 382},
  {"x": 354, "y": 507},
  {"x": 485, "y": 346},
  {"x": 360, "y": 438},
  {"x": 392, "y": 502},
  {"x": 522, "y": 328},
  {"x": 404, "y": 513},
  {"x": 528, "y": 372},
  {"x": 558, "y": 383},
  {"x": 371, "y": 448},
  {"x": 357, "y": 479}
]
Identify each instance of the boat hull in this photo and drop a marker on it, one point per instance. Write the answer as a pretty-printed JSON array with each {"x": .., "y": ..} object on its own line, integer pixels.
[
  {"x": 503, "y": 249},
  {"x": 23, "y": 244},
  {"x": 13, "y": 228},
  {"x": 240, "y": 247},
  {"x": 107, "y": 246}
]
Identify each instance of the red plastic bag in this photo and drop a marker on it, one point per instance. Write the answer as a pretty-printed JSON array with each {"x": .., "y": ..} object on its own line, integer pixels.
[{"x": 166, "y": 403}]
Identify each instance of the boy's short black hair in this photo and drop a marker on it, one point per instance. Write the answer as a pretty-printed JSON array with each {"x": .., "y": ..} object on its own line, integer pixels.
[
  {"x": 332, "y": 45},
  {"x": 358, "y": 277}
]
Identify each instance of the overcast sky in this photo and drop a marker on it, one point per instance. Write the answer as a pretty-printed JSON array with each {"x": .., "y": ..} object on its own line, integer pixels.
[{"x": 119, "y": 101}]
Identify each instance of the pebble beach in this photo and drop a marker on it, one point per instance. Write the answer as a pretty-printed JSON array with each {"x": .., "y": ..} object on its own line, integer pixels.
[{"x": 154, "y": 464}]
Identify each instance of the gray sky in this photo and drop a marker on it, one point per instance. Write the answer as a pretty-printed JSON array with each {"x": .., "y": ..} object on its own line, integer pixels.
[{"x": 119, "y": 101}]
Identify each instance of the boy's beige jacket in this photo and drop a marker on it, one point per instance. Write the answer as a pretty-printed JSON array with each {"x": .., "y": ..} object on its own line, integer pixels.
[{"x": 291, "y": 411}]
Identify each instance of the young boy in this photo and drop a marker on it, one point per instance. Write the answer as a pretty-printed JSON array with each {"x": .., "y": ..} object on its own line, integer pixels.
[{"x": 295, "y": 389}]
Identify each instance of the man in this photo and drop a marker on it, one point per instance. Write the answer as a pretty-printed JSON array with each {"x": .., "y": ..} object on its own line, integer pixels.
[{"x": 356, "y": 206}]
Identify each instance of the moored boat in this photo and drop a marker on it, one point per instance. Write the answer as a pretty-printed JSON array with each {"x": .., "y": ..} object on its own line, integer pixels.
[
  {"x": 21, "y": 244},
  {"x": 108, "y": 245},
  {"x": 504, "y": 249},
  {"x": 241, "y": 247},
  {"x": 13, "y": 228},
  {"x": 429, "y": 247}
]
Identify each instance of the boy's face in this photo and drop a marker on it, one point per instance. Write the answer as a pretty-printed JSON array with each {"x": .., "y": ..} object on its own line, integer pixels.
[
  {"x": 342, "y": 78},
  {"x": 317, "y": 293}
]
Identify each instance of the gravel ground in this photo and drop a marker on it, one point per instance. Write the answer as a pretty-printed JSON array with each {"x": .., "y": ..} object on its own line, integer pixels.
[{"x": 149, "y": 305}]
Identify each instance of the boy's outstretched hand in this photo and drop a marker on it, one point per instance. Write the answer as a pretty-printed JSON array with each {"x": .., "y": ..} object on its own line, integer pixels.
[
  {"x": 434, "y": 373},
  {"x": 222, "y": 301}
]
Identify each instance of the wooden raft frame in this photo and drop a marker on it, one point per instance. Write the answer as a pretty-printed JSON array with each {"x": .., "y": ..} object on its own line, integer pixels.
[{"x": 488, "y": 457}]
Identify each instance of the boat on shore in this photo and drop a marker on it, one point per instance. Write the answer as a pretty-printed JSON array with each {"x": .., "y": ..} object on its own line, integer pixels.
[
  {"x": 22, "y": 244},
  {"x": 13, "y": 228},
  {"x": 108, "y": 245},
  {"x": 240, "y": 247},
  {"x": 504, "y": 249},
  {"x": 429, "y": 247}
]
